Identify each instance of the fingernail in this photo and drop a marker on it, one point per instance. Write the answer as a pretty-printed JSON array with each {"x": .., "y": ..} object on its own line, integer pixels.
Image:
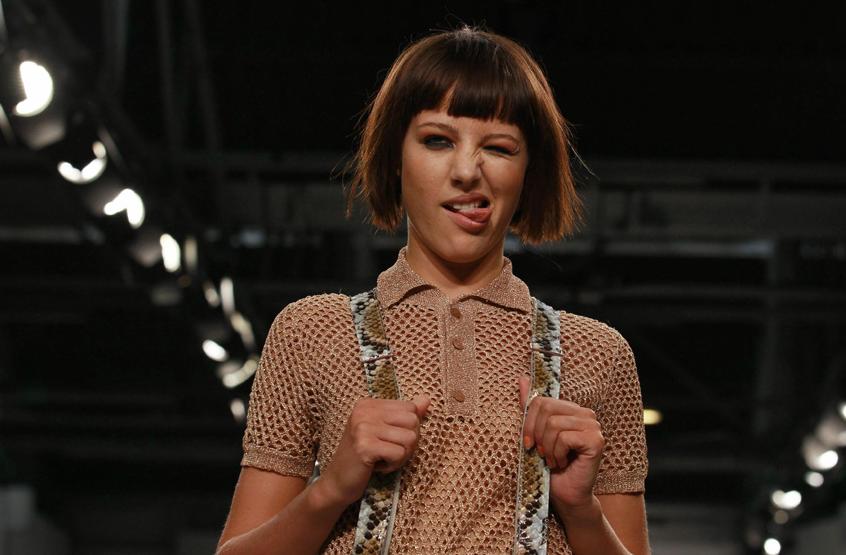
[
  {"x": 540, "y": 450},
  {"x": 527, "y": 442}
]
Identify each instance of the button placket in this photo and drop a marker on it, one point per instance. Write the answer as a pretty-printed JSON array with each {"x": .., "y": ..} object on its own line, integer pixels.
[{"x": 460, "y": 357}]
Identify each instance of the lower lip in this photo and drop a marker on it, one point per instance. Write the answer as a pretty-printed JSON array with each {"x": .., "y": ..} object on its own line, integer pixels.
[{"x": 466, "y": 223}]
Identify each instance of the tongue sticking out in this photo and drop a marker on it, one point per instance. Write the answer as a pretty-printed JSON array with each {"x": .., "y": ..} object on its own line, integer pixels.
[{"x": 481, "y": 214}]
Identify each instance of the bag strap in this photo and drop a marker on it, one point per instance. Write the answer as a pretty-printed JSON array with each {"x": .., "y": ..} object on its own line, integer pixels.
[
  {"x": 378, "y": 508},
  {"x": 377, "y": 512},
  {"x": 532, "y": 510}
]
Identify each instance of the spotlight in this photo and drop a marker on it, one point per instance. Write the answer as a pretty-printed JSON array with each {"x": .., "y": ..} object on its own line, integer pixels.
[
  {"x": 26, "y": 93},
  {"x": 214, "y": 350},
  {"x": 191, "y": 255},
  {"x": 814, "y": 479},
  {"x": 817, "y": 455},
  {"x": 37, "y": 87},
  {"x": 171, "y": 255},
  {"x": 227, "y": 295},
  {"x": 781, "y": 517},
  {"x": 239, "y": 409},
  {"x": 209, "y": 291},
  {"x": 831, "y": 431},
  {"x": 90, "y": 171},
  {"x": 841, "y": 408},
  {"x": 652, "y": 417},
  {"x": 129, "y": 201},
  {"x": 244, "y": 329},
  {"x": 772, "y": 546},
  {"x": 787, "y": 500},
  {"x": 233, "y": 374}
]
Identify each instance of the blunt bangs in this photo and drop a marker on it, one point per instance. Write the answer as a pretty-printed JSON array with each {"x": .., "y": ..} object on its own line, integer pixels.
[{"x": 471, "y": 76}]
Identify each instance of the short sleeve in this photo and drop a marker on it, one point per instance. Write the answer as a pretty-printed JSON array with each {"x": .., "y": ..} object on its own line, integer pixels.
[
  {"x": 280, "y": 434},
  {"x": 624, "y": 463}
]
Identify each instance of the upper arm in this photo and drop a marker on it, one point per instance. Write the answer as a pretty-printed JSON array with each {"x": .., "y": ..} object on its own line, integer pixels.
[
  {"x": 281, "y": 435},
  {"x": 259, "y": 495},
  {"x": 624, "y": 463},
  {"x": 626, "y": 514}
]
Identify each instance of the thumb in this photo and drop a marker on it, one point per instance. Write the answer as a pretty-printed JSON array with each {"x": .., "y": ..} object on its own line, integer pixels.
[
  {"x": 525, "y": 385},
  {"x": 421, "y": 405}
]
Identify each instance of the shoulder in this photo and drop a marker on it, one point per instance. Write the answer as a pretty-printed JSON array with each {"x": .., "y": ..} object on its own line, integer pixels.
[
  {"x": 314, "y": 319},
  {"x": 588, "y": 329},
  {"x": 587, "y": 337},
  {"x": 314, "y": 308}
]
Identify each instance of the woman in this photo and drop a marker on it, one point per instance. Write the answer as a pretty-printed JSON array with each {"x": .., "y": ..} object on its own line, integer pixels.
[{"x": 465, "y": 140}]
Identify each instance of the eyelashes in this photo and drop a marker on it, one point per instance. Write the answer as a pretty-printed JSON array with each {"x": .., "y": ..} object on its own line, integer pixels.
[{"x": 439, "y": 142}]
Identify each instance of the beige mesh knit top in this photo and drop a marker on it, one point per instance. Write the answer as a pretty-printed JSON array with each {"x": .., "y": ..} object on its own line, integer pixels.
[{"x": 458, "y": 489}]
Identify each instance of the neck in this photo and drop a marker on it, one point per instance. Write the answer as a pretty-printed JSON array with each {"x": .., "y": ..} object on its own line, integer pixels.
[{"x": 454, "y": 279}]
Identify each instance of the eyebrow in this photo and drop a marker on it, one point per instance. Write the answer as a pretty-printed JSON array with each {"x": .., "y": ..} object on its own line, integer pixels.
[{"x": 454, "y": 130}]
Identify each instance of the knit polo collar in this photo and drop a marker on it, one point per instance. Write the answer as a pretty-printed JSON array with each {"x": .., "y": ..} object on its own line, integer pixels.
[{"x": 400, "y": 282}]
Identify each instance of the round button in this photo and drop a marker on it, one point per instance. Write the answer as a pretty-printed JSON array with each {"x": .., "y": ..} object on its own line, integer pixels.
[
  {"x": 455, "y": 311},
  {"x": 457, "y": 343},
  {"x": 458, "y": 395}
]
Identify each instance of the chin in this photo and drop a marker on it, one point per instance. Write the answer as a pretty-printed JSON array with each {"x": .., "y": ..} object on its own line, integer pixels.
[{"x": 466, "y": 249}]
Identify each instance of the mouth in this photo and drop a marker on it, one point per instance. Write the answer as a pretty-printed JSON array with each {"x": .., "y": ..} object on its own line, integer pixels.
[
  {"x": 471, "y": 213},
  {"x": 466, "y": 206}
]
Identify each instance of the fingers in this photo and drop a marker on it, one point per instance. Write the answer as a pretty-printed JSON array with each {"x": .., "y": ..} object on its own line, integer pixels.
[
  {"x": 405, "y": 438},
  {"x": 558, "y": 427},
  {"x": 525, "y": 384},
  {"x": 421, "y": 405},
  {"x": 385, "y": 456}
]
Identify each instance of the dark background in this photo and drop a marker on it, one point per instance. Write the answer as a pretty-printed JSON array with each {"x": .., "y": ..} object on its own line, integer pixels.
[{"x": 715, "y": 241}]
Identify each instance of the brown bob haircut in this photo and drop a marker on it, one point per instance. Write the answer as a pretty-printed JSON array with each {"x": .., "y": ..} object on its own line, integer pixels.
[{"x": 486, "y": 76}]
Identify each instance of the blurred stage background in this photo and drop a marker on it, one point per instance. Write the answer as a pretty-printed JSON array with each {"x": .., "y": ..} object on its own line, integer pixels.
[{"x": 165, "y": 189}]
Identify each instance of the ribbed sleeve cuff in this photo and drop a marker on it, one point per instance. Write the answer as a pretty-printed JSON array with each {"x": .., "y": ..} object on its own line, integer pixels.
[
  {"x": 619, "y": 482},
  {"x": 268, "y": 459}
]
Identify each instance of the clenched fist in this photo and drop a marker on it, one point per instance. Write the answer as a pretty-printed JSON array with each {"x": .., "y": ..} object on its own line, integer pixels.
[
  {"x": 570, "y": 438},
  {"x": 380, "y": 435}
]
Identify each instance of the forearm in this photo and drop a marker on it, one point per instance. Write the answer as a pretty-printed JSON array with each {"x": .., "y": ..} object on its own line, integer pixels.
[
  {"x": 588, "y": 531},
  {"x": 300, "y": 528}
]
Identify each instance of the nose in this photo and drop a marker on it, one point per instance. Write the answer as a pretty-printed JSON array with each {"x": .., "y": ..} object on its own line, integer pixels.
[{"x": 466, "y": 167}]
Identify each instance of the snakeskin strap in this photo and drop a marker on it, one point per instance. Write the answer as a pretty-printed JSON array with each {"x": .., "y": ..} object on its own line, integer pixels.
[
  {"x": 379, "y": 503},
  {"x": 532, "y": 510}
]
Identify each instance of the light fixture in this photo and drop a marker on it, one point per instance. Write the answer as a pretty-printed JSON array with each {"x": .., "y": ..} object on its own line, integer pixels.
[
  {"x": 814, "y": 479},
  {"x": 817, "y": 455},
  {"x": 841, "y": 408},
  {"x": 232, "y": 374},
  {"x": 210, "y": 293},
  {"x": 227, "y": 295},
  {"x": 787, "y": 500},
  {"x": 652, "y": 417},
  {"x": 214, "y": 350},
  {"x": 244, "y": 329},
  {"x": 93, "y": 169},
  {"x": 772, "y": 546},
  {"x": 38, "y": 88},
  {"x": 171, "y": 253},
  {"x": 129, "y": 201},
  {"x": 190, "y": 254},
  {"x": 831, "y": 431},
  {"x": 239, "y": 409}
]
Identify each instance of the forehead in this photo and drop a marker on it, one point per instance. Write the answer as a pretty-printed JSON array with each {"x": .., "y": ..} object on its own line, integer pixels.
[{"x": 440, "y": 117}]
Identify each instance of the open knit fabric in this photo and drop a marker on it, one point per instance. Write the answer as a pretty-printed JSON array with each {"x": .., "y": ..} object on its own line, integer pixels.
[{"x": 458, "y": 489}]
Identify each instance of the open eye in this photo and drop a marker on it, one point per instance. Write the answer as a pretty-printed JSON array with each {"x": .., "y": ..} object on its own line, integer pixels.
[{"x": 437, "y": 141}]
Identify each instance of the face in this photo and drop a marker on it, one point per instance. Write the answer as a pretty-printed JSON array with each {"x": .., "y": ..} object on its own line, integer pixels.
[{"x": 461, "y": 183}]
